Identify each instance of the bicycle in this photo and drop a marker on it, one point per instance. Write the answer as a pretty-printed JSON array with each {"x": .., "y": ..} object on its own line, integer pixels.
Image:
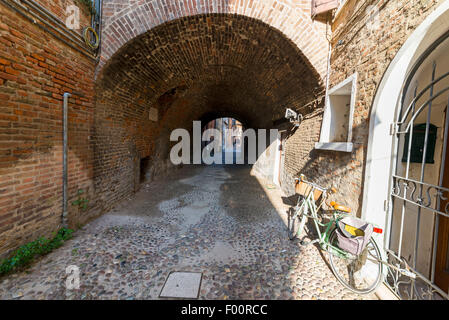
[{"x": 361, "y": 273}]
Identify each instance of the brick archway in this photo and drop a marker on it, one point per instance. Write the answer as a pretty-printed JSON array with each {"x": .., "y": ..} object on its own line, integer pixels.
[
  {"x": 185, "y": 69},
  {"x": 125, "y": 20}
]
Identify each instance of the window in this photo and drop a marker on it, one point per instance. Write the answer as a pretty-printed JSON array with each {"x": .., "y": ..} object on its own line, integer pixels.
[{"x": 336, "y": 129}]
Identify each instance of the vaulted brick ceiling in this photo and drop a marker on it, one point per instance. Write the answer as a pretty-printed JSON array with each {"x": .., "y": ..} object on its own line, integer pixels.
[{"x": 223, "y": 64}]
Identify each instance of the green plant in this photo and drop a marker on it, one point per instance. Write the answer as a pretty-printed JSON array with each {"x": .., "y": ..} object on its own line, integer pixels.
[
  {"x": 81, "y": 202},
  {"x": 26, "y": 253}
]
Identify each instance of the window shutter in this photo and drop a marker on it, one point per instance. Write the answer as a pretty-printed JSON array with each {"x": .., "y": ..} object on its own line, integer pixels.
[{"x": 323, "y": 6}]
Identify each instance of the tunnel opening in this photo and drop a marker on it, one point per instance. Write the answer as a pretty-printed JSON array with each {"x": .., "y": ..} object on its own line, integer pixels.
[
  {"x": 223, "y": 140},
  {"x": 196, "y": 68}
]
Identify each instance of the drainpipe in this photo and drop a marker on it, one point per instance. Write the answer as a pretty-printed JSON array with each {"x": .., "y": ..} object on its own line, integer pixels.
[
  {"x": 329, "y": 55},
  {"x": 64, "y": 160}
]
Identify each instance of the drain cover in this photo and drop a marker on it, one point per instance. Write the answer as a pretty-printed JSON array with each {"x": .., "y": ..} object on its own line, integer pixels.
[{"x": 182, "y": 285}]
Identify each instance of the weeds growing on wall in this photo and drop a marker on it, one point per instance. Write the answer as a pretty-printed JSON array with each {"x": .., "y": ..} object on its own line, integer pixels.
[
  {"x": 28, "y": 252},
  {"x": 81, "y": 202}
]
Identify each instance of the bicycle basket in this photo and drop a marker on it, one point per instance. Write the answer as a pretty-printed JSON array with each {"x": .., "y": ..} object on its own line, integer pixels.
[
  {"x": 353, "y": 234},
  {"x": 303, "y": 188}
]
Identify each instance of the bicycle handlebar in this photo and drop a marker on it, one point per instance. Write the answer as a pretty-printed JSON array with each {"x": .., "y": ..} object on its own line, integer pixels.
[{"x": 327, "y": 190}]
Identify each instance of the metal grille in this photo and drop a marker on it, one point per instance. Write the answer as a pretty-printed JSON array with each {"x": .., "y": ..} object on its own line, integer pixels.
[{"x": 415, "y": 202}]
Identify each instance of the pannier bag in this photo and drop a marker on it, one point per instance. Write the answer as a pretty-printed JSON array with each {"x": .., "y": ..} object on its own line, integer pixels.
[{"x": 353, "y": 234}]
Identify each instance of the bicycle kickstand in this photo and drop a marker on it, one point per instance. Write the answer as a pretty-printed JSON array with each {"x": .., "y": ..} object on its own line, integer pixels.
[{"x": 305, "y": 243}]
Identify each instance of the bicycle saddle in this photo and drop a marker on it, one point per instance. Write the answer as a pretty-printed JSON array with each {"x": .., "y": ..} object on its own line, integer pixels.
[{"x": 339, "y": 207}]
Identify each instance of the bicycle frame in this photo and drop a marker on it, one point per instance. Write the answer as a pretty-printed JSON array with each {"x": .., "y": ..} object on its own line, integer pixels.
[
  {"x": 323, "y": 237},
  {"x": 308, "y": 207}
]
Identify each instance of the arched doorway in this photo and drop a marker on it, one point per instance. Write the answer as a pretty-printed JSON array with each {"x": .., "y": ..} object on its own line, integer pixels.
[{"x": 406, "y": 188}]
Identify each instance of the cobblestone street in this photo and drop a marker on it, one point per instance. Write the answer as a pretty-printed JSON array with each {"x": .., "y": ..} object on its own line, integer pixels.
[{"x": 220, "y": 221}]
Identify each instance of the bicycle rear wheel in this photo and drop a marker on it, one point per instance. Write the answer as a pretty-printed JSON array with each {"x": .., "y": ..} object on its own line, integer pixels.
[{"x": 361, "y": 274}]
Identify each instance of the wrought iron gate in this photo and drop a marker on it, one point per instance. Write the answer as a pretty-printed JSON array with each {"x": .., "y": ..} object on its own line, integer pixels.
[{"x": 413, "y": 198}]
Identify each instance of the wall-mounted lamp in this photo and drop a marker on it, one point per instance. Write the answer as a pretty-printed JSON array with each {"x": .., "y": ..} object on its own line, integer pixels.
[{"x": 293, "y": 117}]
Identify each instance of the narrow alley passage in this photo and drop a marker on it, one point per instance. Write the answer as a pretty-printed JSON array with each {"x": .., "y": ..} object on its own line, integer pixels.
[{"x": 221, "y": 221}]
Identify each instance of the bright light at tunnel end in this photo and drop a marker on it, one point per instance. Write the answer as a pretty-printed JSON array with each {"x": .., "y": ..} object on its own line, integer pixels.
[{"x": 253, "y": 142}]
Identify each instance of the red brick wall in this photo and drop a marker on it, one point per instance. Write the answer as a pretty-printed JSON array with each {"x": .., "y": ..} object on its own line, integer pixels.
[
  {"x": 59, "y": 9},
  {"x": 35, "y": 71}
]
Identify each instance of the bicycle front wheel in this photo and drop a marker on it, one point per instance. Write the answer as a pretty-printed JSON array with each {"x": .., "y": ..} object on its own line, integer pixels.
[
  {"x": 297, "y": 221},
  {"x": 361, "y": 274}
]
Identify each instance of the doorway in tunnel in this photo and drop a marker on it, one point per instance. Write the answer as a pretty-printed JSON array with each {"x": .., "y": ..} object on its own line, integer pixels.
[
  {"x": 144, "y": 164},
  {"x": 227, "y": 135}
]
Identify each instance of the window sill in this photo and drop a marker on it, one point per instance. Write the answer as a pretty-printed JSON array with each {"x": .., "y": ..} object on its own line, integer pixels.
[{"x": 335, "y": 146}]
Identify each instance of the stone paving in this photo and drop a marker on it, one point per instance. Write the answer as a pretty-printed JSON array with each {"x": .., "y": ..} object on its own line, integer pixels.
[{"x": 220, "y": 221}]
